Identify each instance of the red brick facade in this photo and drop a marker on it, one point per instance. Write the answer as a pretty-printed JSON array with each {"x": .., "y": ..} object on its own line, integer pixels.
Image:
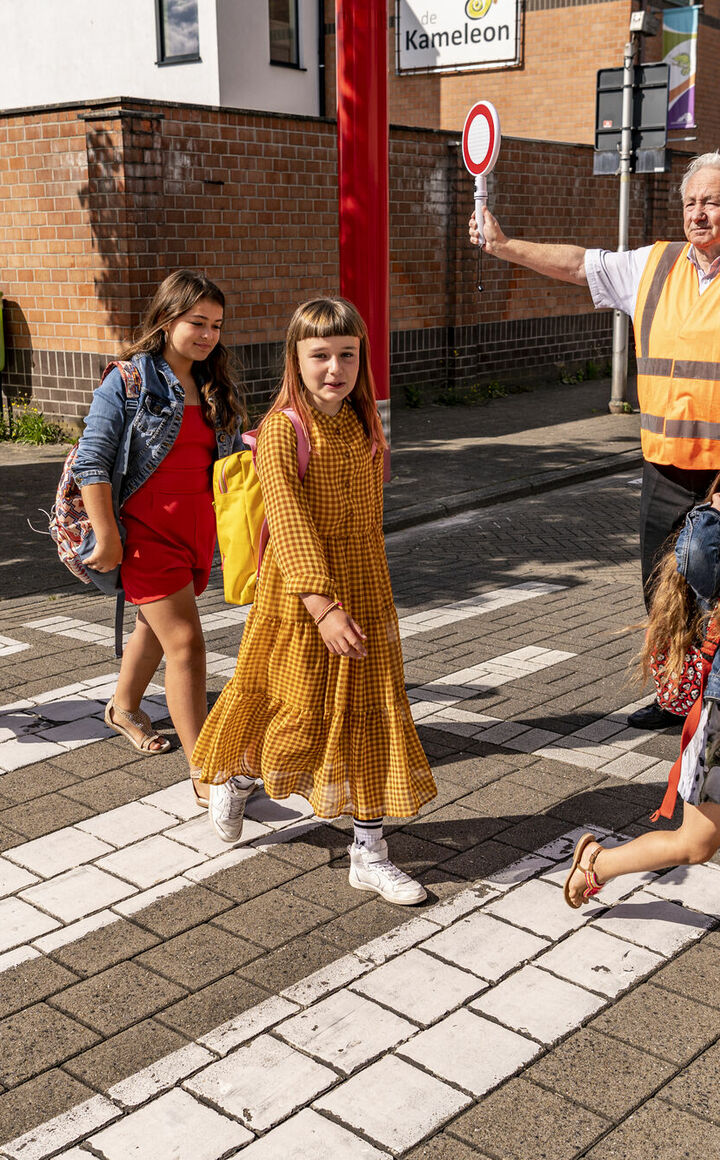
[
  {"x": 98, "y": 203},
  {"x": 551, "y": 97}
]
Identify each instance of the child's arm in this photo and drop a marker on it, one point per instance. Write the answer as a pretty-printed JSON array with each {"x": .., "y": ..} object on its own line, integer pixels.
[
  {"x": 108, "y": 550},
  {"x": 342, "y": 635},
  {"x": 298, "y": 548}
]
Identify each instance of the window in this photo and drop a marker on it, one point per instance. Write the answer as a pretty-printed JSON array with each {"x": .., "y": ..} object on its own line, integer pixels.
[
  {"x": 284, "y": 46},
  {"x": 177, "y": 31}
]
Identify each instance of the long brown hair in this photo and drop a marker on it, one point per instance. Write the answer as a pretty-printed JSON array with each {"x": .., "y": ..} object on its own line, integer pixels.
[
  {"x": 329, "y": 318},
  {"x": 676, "y": 621},
  {"x": 222, "y": 398}
]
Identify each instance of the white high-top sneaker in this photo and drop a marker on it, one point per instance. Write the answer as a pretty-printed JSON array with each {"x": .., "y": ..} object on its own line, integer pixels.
[
  {"x": 227, "y": 808},
  {"x": 371, "y": 869}
]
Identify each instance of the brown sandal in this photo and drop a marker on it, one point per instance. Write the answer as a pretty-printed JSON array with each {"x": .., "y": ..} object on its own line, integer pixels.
[
  {"x": 592, "y": 886},
  {"x": 142, "y": 722}
]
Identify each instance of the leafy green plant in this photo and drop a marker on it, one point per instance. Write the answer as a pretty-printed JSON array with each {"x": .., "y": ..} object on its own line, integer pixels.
[
  {"x": 591, "y": 370},
  {"x": 495, "y": 390},
  {"x": 477, "y": 394},
  {"x": 413, "y": 395},
  {"x": 568, "y": 377},
  {"x": 27, "y": 424}
]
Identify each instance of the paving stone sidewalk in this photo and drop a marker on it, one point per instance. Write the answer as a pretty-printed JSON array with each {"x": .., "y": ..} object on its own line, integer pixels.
[
  {"x": 445, "y": 459},
  {"x": 163, "y": 995}
]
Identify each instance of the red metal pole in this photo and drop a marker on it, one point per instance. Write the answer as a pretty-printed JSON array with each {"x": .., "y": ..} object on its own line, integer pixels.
[{"x": 363, "y": 143}]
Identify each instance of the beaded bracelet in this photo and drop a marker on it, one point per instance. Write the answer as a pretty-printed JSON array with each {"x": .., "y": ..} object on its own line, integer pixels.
[{"x": 327, "y": 609}]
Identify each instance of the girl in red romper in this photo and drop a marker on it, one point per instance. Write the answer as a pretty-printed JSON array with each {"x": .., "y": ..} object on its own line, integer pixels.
[{"x": 168, "y": 519}]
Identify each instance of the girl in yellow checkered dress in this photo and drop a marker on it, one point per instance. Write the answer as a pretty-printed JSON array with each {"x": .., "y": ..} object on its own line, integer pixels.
[{"x": 317, "y": 705}]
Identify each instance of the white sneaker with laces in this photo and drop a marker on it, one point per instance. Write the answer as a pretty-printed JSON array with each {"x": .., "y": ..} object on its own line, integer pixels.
[
  {"x": 227, "y": 808},
  {"x": 371, "y": 869}
]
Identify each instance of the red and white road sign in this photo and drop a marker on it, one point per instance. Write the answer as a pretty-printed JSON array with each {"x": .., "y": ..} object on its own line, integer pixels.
[
  {"x": 481, "y": 139},
  {"x": 480, "y": 146}
]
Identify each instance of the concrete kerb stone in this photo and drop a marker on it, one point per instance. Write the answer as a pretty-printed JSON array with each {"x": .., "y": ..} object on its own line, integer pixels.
[{"x": 543, "y": 481}]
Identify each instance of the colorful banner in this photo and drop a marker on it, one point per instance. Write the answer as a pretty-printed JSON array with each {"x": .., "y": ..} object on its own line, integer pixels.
[{"x": 680, "y": 27}]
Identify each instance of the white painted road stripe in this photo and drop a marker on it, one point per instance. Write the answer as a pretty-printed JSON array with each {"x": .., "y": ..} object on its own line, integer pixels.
[
  {"x": 90, "y": 874},
  {"x": 454, "y": 1001},
  {"x": 417, "y": 622},
  {"x": 70, "y": 717},
  {"x": 8, "y": 646},
  {"x": 447, "y": 614},
  {"x": 57, "y": 888}
]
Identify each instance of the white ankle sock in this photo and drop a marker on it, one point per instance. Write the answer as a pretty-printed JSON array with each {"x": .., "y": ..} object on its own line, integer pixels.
[
  {"x": 365, "y": 833},
  {"x": 243, "y": 781}
]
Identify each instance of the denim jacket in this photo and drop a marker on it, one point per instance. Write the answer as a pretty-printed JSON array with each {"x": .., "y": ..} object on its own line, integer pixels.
[
  {"x": 156, "y": 420},
  {"x": 697, "y": 551}
]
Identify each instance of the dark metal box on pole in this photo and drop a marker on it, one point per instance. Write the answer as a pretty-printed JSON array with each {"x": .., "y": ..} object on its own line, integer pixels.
[{"x": 649, "y": 119}]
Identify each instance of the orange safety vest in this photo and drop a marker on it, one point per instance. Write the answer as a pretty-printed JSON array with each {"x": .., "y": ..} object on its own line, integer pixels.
[{"x": 677, "y": 342}]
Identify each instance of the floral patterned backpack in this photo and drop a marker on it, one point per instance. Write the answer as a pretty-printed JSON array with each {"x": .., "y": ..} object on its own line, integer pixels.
[{"x": 68, "y": 524}]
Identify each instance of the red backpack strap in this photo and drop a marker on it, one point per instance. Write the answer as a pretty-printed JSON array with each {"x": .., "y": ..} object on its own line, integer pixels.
[
  {"x": 708, "y": 648},
  {"x": 130, "y": 374}
]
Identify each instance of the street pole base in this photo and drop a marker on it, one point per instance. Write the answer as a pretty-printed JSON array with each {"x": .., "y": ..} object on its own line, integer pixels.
[{"x": 619, "y": 407}]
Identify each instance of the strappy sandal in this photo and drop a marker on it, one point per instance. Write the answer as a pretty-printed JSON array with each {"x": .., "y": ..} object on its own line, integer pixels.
[
  {"x": 200, "y": 801},
  {"x": 142, "y": 722},
  {"x": 592, "y": 886}
]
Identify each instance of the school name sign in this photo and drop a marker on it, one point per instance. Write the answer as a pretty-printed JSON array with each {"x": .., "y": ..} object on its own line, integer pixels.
[{"x": 453, "y": 35}]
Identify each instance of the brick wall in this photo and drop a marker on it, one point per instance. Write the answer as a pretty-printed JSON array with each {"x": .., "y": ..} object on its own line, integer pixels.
[
  {"x": 99, "y": 203},
  {"x": 50, "y": 263},
  {"x": 551, "y": 97}
]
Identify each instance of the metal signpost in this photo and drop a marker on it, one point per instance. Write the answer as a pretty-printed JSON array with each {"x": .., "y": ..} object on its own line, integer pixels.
[
  {"x": 480, "y": 146},
  {"x": 618, "y": 392},
  {"x": 642, "y": 135}
]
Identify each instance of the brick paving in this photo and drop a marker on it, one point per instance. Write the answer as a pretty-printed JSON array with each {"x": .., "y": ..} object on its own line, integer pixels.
[{"x": 161, "y": 992}]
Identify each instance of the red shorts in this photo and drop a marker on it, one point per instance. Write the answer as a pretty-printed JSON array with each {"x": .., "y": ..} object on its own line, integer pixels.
[{"x": 170, "y": 544}]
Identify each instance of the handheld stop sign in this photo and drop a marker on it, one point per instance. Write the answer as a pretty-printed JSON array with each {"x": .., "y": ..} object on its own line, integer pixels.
[{"x": 480, "y": 146}]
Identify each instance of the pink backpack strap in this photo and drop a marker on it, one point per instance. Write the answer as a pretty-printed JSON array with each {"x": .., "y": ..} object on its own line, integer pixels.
[
  {"x": 303, "y": 454},
  {"x": 302, "y": 441}
]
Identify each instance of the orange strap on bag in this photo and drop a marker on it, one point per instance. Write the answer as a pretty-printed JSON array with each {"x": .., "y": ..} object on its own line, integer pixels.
[{"x": 708, "y": 649}]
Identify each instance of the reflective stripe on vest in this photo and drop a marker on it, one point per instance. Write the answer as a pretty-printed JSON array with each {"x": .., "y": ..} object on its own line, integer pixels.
[
  {"x": 668, "y": 259},
  {"x": 654, "y": 423},
  {"x": 679, "y": 396},
  {"x": 680, "y": 428},
  {"x": 679, "y": 369}
]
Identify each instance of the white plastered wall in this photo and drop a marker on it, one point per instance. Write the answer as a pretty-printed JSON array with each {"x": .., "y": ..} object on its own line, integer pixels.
[
  {"x": 56, "y": 51},
  {"x": 247, "y": 79}
]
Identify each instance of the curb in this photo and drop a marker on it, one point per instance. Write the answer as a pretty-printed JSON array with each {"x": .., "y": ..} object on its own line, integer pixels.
[{"x": 482, "y": 497}]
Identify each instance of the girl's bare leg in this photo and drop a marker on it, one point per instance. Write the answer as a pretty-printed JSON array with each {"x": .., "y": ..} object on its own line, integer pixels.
[
  {"x": 141, "y": 657},
  {"x": 175, "y": 622},
  {"x": 697, "y": 839}
]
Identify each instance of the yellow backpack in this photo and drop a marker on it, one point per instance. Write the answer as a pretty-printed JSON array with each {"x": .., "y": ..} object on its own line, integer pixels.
[{"x": 242, "y": 529}]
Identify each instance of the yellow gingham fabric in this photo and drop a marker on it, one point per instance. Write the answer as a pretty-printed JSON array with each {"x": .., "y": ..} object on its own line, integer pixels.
[{"x": 337, "y": 731}]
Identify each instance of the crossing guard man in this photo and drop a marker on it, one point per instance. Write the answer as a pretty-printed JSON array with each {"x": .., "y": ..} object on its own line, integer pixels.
[{"x": 671, "y": 290}]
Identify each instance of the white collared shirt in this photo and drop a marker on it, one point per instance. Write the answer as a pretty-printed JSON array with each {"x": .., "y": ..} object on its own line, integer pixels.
[{"x": 614, "y": 278}]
